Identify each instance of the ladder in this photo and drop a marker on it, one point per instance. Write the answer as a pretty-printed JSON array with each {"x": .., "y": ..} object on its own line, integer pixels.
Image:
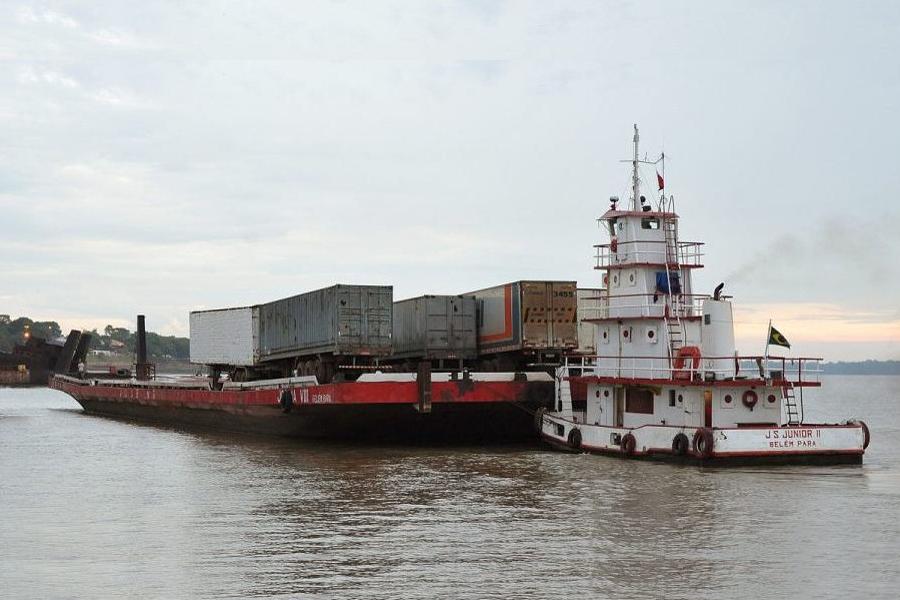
[
  {"x": 674, "y": 326},
  {"x": 790, "y": 403}
]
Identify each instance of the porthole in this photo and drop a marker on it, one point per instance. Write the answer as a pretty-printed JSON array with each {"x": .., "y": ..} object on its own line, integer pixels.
[
  {"x": 680, "y": 398},
  {"x": 650, "y": 334},
  {"x": 625, "y": 333},
  {"x": 615, "y": 280},
  {"x": 606, "y": 393},
  {"x": 771, "y": 398},
  {"x": 631, "y": 278},
  {"x": 598, "y": 393},
  {"x": 605, "y": 335},
  {"x": 728, "y": 398}
]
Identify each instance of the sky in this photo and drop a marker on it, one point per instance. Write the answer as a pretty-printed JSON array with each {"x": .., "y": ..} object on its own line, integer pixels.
[{"x": 161, "y": 157}]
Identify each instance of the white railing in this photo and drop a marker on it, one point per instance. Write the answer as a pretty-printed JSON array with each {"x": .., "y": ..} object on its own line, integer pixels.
[
  {"x": 687, "y": 254},
  {"x": 658, "y": 305},
  {"x": 773, "y": 369}
]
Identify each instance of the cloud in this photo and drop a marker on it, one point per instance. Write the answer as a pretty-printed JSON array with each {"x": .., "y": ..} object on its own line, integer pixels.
[{"x": 164, "y": 157}]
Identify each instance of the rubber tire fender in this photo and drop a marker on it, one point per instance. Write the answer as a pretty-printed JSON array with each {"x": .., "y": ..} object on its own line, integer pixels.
[
  {"x": 539, "y": 418},
  {"x": 574, "y": 438},
  {"x": 680, "y": 444},
  {"x": 866, "y": 436},
  {"x": 286, "y": 400},
  {"x": 703, "y": 442},
  {"x": 629, "y": 444}
]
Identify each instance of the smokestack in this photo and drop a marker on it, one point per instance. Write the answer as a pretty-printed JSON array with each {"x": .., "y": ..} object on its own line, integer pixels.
[
  {"x": 143, "y": 370},
  {"x": 141, "y": 341}
]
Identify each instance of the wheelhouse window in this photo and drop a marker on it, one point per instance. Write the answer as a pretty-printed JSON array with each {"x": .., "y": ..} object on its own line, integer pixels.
[
  {"x": 639, "y": 401},
  {"x": 649, "y": 223}
]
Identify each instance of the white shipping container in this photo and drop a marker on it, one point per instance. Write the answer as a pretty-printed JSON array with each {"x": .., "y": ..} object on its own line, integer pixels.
[{"x": 228, "y": 336}]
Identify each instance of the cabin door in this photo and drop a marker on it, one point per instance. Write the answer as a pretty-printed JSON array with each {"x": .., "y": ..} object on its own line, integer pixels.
[{"x": 619, "y": 417}]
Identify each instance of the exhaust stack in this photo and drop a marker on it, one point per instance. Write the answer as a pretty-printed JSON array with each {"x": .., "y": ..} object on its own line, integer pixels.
[{"x": 143, "y": 370}]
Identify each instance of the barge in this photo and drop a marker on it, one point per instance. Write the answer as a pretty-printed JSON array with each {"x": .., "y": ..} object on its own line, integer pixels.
[
  {"x": 383, "y": 407},
  {"x": 666, "y": 381}
]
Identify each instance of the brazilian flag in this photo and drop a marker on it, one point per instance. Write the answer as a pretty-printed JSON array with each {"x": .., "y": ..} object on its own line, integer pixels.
[{"x": 776, "y": 339}]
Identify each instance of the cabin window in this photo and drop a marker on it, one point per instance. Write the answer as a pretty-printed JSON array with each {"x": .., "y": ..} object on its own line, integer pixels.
[
  {"x": 650, "y": 223},
  {"x": 597, "y": 393},
  {"x": 639, "y": 401},
  {"x": 671, "y": 397},
  {"x": 728, "y": 398},
  {"x": 771, "y": 398}
]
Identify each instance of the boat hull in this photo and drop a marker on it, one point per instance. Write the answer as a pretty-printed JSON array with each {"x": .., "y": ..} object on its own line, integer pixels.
[
  {"x": 499, "y": 412},
  {"x": 819, "y": 444}
]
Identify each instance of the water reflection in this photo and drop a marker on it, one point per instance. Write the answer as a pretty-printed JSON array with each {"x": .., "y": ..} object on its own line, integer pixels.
[{"x": 94, "y": 507}]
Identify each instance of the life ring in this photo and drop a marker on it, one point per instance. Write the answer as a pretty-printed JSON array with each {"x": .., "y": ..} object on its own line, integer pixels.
[
  {"x": 865, "y": 428},
  {"x": 749, "y": 399},
  {"x": 629, "y": 443},
  {"x": 286, "y": 400},
  {"x": 614, "y": 245},
  {"x": 703, "y": 442},
  {"x": 679, "y": 366},
  {"x": 575, "y": 438},
  {"x": 680, "y": 444},
  {"x": 539, "y": 418}
]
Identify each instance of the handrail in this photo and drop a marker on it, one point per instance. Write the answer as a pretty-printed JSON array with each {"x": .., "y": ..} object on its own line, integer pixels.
[{"x": 793, "y": 370}]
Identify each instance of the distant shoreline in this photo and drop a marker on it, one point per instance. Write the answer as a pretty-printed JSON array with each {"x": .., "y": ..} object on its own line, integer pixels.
[{"x": 865, "y": 367}]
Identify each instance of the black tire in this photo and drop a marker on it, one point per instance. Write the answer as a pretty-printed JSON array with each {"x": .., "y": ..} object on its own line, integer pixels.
[
  {"x": 539, "y": 418},
  {"x": 286, "y": 400},
  {"x": 703, "y": 442},
  {"x": 575, "y": 438},
  {"x": 629, "y": 444},
  {"x": 680, "y": 444},
  {"x": 866, "y": 436}
]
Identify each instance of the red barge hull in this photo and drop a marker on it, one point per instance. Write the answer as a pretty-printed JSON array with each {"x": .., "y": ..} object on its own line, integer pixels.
[{"x": 458, "y": 412}]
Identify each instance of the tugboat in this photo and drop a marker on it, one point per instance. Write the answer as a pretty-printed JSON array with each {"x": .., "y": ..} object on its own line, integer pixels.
[{"x": 667, "y": 382}]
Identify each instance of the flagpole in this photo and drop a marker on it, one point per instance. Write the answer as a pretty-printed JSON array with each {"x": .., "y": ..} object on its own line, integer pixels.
[{"x": 766, "y": 352}]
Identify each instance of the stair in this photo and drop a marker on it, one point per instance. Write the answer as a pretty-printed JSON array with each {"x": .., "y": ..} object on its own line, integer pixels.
[{"x": 790, "y": 403}]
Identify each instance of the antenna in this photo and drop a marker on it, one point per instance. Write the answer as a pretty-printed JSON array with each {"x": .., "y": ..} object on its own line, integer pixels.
[{"x": 635, "y": 180}]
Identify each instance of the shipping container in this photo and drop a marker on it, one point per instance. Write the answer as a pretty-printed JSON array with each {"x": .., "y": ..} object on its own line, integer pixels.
[
  {"x": 227, "y": 336},
  {"x": 341, "y": 320},
  {"x": 435, "y": 327},
  {"x": 527, "y": 315},
  {"x": 591, "y": 305}
]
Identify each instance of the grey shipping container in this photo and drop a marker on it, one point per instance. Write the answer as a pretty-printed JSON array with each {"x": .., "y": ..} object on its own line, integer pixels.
[
  {"x": 339, "y": 320},
  {"x": 527, "y": 315},
  {"x": 435, "y": 327}
]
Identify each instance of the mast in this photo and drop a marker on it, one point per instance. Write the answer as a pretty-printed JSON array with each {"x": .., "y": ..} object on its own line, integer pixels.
[{"x": 635, "y": 180}]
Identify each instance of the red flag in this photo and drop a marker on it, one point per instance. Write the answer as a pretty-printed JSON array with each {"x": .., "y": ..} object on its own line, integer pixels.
[{"x": 660, "y": 181}]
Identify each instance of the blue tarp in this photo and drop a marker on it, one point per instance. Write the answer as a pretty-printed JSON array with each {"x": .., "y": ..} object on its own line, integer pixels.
[{"x": 662, "y": 282}]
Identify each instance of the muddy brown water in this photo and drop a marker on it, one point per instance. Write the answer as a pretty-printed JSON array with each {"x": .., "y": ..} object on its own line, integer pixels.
[{"x": 99, "y": 508}]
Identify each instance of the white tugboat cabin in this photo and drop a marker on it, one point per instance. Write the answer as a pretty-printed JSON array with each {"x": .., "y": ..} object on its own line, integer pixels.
[{"x": 667, "y": 382}]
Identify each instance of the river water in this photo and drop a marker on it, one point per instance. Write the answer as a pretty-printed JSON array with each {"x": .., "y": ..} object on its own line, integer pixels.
[{"x": 98, "y": 508}]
